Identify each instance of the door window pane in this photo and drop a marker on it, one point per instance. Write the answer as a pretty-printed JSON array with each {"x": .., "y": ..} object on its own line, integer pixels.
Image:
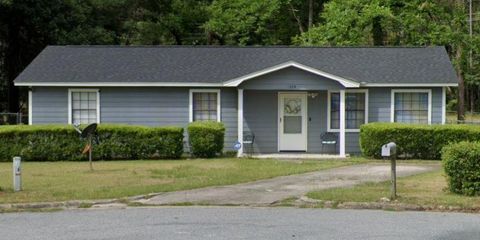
[
  {"x": 293, "y": 106},
  {"x": 292, "y": 124},
  {"x": 292, "y": 115}
]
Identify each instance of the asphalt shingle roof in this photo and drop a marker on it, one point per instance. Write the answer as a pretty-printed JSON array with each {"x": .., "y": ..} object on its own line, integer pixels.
[{"x": 178, "y": 64}]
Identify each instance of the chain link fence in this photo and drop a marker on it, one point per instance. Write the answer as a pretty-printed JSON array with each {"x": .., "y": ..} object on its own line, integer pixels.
[{"x": 13, "y": 118}]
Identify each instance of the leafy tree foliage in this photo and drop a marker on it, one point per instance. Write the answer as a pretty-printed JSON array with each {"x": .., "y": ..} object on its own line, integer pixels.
[
  {"x": 402, "y": 23},
  {"x": 27, "y": 26}
]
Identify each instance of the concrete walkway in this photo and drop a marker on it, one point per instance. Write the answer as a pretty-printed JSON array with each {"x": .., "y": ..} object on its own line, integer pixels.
[{"x": 266, "y": 192}]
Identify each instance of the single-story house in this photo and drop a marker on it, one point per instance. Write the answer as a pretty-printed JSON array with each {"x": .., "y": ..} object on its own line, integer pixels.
[{"x": 287, "y": 97}]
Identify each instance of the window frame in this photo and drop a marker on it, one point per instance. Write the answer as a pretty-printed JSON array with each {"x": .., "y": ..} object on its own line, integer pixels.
[
  {"x": 392, "y": 102},
  {"x": 190, "y": 105},
  {"x": 329, "y": 103},
  {"x": 70, "y": 107}
]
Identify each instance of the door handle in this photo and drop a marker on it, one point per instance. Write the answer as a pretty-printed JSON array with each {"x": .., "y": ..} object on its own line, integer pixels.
[{"x": 280, "y": 119}]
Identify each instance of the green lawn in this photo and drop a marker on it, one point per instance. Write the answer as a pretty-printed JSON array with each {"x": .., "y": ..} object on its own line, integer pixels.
[
  {"x": 452, "y": 117},
  {"x": 423, "y": 189},
  {"x": 57, "y": 181}
]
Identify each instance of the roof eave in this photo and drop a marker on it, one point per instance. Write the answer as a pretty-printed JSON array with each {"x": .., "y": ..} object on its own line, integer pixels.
[
  {"x": 410, "y": 85},
  {"x": 193, "y": 84}
]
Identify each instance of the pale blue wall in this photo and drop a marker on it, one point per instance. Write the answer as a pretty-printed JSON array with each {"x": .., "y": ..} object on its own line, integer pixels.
[
  {"x": 291, "y": 79},
  {"x": 169, "y": 106},
  {"x": 136, "y": 106}
]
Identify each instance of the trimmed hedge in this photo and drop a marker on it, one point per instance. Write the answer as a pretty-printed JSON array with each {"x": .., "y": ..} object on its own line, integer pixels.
[
  {"x": 62, "y": 142},
  {"x": 206, "y": 138},
  {"x": 414, "y": 140},
  {"x": 461, "y": 162}
]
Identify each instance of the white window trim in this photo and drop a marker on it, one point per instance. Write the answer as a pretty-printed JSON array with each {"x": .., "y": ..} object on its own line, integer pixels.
[
  {"x": 190, "y": 105},
  {"x": 70, "y": 90},
  {"x": 30, "y": 109},
  {"x": 444, "y": 105},
  {"x": 392, "y": 101},
  {"x": 329, "y": 129}
]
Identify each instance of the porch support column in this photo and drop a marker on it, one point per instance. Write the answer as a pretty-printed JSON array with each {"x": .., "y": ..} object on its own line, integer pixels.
[
  {"x": 342, "y": 124},
  {"x": 444, "y": 105},
  {"x": 240, "y": 121}
]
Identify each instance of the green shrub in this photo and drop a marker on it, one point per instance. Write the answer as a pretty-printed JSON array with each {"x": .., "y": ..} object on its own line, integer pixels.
[
  {"x": 61, "y": 142},
  {"x": 452, "y": 105},
  {"x": 206, "y": 138},
  {"x": 414, "y": 140},
  {"x": 461, "y": 162}
]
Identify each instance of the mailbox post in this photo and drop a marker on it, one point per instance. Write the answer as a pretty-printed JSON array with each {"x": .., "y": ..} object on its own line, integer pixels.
[
  {"x": 389, "y": 150},
  {"x": 17, "y": 174}
]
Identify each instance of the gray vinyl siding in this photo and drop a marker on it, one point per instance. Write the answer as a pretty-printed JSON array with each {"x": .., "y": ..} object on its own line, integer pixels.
[
  {"x": 136, "y": 106},
  {"x": 291, "y": 78},
  {"x": 436, "y": 105},
  {"x": 170, "y": 107},
  {"x": 145, "y": 106},
  {"x": 317, "y": 123},
  {"x": 260, "y": 118},
  {"x": 49, "y": 105},
  {"x": 352, "y": 143},
  {"x": 163, "y": 107},
  {"x": 229, "y": 116},
  {"x": 380, "y": 102}
]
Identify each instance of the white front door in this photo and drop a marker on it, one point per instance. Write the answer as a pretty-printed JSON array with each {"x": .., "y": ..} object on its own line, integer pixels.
[{"x": 292, "y": 112}]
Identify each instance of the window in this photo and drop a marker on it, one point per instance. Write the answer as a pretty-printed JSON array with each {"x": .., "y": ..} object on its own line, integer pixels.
[
  {"x": 411, "y": 106},
  {"x": 84, "y": 106},
  {"x": 204, "y": 105},
  {"x": 355, "y": 110}
]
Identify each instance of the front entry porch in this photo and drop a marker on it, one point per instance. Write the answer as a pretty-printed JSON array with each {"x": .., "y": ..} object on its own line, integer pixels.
[
  {"x": 289, "y": 124},
  {"x": 292, "y": 155}
]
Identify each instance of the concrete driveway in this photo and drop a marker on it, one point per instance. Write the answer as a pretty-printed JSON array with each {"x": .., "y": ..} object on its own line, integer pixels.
[{"x": 266, "y": 192}]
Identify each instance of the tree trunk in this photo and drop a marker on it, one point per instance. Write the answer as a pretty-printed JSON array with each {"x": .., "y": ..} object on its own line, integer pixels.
[
  {"x": 310, "y": 14},
  {"x": 461, "y": 86},
  {"x": 299, "y": 22},
  {"x": 472, "y": 99},
  {"x": 377, "y": 32}
]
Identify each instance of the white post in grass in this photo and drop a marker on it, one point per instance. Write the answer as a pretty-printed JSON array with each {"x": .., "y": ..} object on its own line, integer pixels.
[
  {"x": 342, "y": 124},
  {"x": 240, "y": 122}
]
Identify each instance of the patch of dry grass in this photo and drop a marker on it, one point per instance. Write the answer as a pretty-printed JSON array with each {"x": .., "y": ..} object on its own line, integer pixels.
[
  {"x": 423, "y": 189},
  {"x": 59, "y": 181}
]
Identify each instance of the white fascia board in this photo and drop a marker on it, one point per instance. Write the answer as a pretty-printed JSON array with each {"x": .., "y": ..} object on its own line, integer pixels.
[
  {"x": 410, "y": 85},
  {"x": 345, "y": 82},
  {"x": 227, "y": 84},
  {"x": 117, "y": 84}
]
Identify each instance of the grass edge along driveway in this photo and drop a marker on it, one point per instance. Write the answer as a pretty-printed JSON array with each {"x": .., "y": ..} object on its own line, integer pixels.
[
  {"x": 426, "y": 189},
  {"x": 62, "y": 181}
]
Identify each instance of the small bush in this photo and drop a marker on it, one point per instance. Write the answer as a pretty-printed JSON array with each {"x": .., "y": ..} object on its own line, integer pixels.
[
  {"x": 61, "y": 142},
  {"x": 206, "y": 138},
  {"x": 414, "y": 140},
  {"x": 461, "y": 162}
]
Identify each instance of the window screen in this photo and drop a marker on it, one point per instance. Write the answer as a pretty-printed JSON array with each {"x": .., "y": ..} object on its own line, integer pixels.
[
  {"x": 205, "y": 106},
  {"x": 411, "y": 107},
  {"x": 354, "y": 110}
]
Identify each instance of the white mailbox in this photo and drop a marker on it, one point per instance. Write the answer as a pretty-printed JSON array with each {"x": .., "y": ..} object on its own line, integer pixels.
[{"x": 389, "y": 149}]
